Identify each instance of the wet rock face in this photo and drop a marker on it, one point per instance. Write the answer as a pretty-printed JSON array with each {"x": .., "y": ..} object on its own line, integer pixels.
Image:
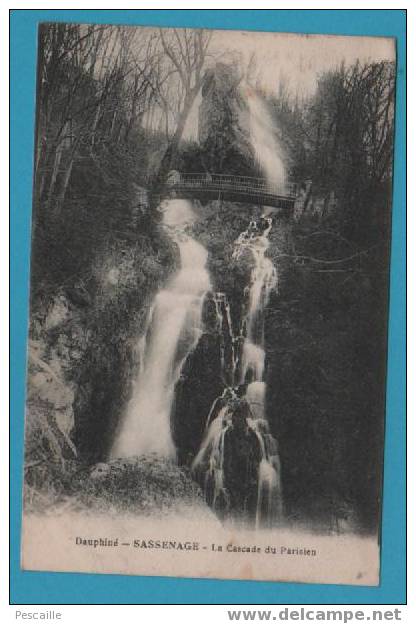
[
  {"x": 83, "y": 342},
  {"x": 199, "y": 385},
  {"x": 216, "y": 361},
  {"x": 209, "y": 314},
  {"x": 222, "y": 128},
  {"x": 77, "y": 381},
  {"x": 56, "y": 343},
  {"x": 100, "y": 399}
]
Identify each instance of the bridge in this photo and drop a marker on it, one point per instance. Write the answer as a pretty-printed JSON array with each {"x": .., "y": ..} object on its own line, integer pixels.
[{"x": 210, "y": 186}]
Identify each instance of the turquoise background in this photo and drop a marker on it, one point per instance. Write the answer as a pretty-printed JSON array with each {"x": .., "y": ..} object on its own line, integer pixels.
[{"x": 62, "y": 588}]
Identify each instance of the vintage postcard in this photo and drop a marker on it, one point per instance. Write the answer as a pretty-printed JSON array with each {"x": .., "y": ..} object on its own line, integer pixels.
[{"x": 208, "y": 313}]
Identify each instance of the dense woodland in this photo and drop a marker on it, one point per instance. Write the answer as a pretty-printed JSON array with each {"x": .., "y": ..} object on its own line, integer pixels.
[{"x": 112, "y": 107}]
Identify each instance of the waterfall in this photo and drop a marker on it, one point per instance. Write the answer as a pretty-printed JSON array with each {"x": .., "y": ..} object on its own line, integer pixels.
[
  {"x": 173, "y": 329},
  {"x": 175, "y": 323},
  {"x": 248, "y": 351},
  {"x": 208, "y": 465},
  {"x": 263, "y": 138},
  {"x": 263, "y": 280}
]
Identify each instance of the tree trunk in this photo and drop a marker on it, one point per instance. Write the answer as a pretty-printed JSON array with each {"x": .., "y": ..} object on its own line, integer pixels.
[
  {"x": 64, "y": 184},
  {"x": 172, "y": 148},
  {"x": 55, "y": 171}
]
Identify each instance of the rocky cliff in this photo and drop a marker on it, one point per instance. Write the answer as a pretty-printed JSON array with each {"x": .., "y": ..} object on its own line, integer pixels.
[{"x": 223, "y": 123}]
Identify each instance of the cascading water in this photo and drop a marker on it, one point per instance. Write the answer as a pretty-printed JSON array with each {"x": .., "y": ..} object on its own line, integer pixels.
[
  {"x": 248, "y": 355},
  {"x": 263, "y": 138},
  {"x": 263, "y": 280},
  {"x": 173, "y": 329},
  {"x": 248, "y": 376}
]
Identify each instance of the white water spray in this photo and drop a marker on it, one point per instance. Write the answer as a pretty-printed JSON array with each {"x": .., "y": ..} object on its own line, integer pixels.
[
  {"x": 263, "y": 280},
  {"x": 210, "y": 459},
  {"x": 173, "y": 329},
  {"x": 263, "y": 139}
]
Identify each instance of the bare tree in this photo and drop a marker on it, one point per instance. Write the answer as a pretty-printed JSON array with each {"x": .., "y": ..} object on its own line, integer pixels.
[
  {"x": 95, "y": 85},
  {"x": 185, "y": 53}
]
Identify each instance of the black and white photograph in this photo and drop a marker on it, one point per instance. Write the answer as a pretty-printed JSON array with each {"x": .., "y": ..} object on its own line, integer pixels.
[{"x": 207, "y": 351}]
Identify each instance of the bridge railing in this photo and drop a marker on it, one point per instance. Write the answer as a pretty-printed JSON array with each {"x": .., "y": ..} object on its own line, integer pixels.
[{"x": 219, "y": 181}]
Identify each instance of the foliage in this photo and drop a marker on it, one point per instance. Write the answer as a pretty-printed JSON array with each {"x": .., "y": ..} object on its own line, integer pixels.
[
  {"x": 341, "y": 140},
  {"x": 326, "y": 352}
]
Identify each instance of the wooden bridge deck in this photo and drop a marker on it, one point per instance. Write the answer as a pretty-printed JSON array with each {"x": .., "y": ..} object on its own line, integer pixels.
[{"x": 231, "y": 188}]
